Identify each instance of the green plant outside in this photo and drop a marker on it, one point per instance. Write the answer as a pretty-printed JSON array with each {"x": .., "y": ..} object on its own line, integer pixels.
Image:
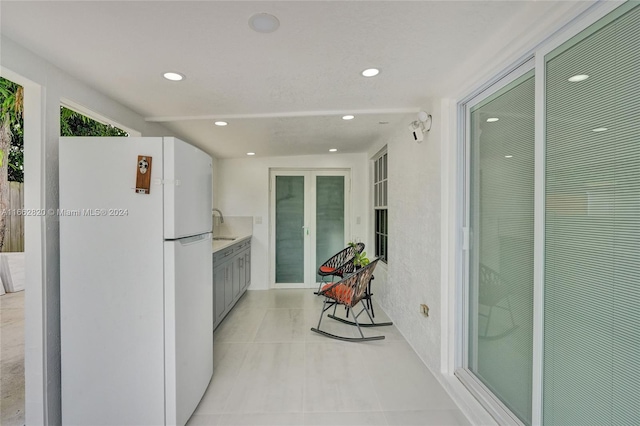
[{"x": 359, "y": 259}]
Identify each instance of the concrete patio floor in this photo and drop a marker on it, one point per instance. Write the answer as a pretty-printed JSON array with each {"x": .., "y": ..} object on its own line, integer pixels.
[{"x": 12, "y": 359}]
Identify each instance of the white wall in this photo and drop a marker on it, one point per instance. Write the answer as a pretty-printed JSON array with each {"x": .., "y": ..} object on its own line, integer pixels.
[
  {"x": 45, "y": 86},
  {"x": 413, "y": 268},
  {"x": 244, "y": 191}
]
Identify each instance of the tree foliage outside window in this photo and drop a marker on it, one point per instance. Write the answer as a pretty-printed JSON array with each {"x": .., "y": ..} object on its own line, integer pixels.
[
  {"x": 12, "y": 125},
  {"x": 73, "y": 123},
  {"x": 11, "y": 142}
]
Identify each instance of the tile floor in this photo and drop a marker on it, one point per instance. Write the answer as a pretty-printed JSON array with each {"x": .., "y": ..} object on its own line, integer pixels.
[{"x": 271, "y": 369}]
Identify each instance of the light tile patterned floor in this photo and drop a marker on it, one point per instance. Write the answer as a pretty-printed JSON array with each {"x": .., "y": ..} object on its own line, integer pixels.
[{"x": 271, "y": 369}]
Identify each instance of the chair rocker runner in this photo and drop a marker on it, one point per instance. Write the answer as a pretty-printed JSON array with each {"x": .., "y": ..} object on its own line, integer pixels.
[
  {"x": 349, "y": 292},
  {"x": 339, "y": 265}
]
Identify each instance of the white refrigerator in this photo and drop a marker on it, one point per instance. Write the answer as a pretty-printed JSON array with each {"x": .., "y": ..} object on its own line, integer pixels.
[{"x": 135, "y": 280}]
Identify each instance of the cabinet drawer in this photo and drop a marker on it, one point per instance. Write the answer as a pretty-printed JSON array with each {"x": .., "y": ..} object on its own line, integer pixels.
[
  {"x": 222, "y": 255},
  {"x": 242, "y": 246}
]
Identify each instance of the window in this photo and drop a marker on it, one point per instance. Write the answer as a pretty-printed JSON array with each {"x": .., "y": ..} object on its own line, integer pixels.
[{"x": 380, "y": 205}]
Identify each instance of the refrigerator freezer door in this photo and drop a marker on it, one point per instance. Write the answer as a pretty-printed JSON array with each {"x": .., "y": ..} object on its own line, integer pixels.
[
  {"x": 111, "y": 284},
  {"x": 188, "y": 325},
  {"x": 187, "y": 190}
]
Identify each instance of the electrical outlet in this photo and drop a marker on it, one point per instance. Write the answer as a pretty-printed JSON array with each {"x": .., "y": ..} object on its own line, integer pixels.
[
  {"x": 424, "y": 309},
  {"x": 258, "y": 220}
]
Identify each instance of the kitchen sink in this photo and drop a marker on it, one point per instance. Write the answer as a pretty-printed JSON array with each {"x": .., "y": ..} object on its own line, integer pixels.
[{"x": 224, "y": 238}]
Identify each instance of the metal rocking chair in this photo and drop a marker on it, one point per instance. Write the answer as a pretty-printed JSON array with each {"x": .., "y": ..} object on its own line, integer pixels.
[
  {"x": 339, "y": 265},
  {"x": 367, "y": 300},
  {"x": 349, "y": 292}
]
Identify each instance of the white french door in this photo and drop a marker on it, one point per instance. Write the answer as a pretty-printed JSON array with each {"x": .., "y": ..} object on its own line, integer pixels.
[{"x": 309, "y": 222}]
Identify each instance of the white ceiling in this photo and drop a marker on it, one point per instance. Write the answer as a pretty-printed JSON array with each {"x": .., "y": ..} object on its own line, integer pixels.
[{"x": 282, "y": 93}]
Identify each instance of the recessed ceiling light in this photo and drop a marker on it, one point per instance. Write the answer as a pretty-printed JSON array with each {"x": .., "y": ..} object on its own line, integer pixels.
[
  {"x": 251, "y": 153},
  {"x": 348, "y": 117},
  {"x": 600, "y": 129},
  {"x": 173, "y": 76},
  {"x": 371, "y": 72},
  {"x": 492, "y": 120},
  {"x": 508, "y": 156},
  {"x": 220, "y": 123},
  {"x": 579, "y": 77},
  {"x": 333, "y": 149},
  {"x": 264, "y": 23}
]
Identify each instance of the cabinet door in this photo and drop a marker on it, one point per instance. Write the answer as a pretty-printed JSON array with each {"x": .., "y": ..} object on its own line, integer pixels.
[
  {"x": 247, "y": 268},
  {"x": 228, "y": 284},
  {"x": 238, "y": 272},
  {"x": 218, "y": 295},
  {"x": 243, "y": 272}
]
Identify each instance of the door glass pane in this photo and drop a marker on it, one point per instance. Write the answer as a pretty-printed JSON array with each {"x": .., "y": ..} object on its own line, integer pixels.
[
  {"x": 592, "y": 227},
  {"x": 501, "y": 255},
  {"x": 289, "y": 231},
  {"x": 330, "y": 237}
]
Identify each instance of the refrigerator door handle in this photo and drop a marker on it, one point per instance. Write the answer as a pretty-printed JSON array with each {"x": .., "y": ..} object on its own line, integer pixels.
[{"x": 195, "y": 239}]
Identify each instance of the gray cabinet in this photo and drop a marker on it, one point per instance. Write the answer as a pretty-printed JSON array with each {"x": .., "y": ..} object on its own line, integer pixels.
[
  {"x": 247, "y": 268},
  {"x": 229, "y": 293},
  {"x": 231, "y": 278},
  {"x": 219, "y": 276},
  {"x": 237, "y": 272}
]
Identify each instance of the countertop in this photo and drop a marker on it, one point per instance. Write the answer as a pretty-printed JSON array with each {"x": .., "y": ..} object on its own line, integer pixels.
[{"x": 223, "y": 244}]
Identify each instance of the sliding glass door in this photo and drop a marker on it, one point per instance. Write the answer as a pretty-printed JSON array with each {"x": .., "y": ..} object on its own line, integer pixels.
[
  {"x": 592, "y": 227},
  {"x": 502, "y": 140},
  {"x": 551, "y": 252}
]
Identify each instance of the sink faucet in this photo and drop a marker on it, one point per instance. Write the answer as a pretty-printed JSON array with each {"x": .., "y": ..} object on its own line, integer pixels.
[{"x": 220, "y": 213}]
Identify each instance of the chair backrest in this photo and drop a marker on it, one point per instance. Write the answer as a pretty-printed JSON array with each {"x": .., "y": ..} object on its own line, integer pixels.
[
  {"x": 343, "y": 258},
  {"x": 350, "y": 290}
]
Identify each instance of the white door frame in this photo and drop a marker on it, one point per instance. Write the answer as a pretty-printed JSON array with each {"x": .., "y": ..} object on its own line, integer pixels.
[
  {"x": 309, "y": 227},
  {"x": 37, "y": 340}
]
